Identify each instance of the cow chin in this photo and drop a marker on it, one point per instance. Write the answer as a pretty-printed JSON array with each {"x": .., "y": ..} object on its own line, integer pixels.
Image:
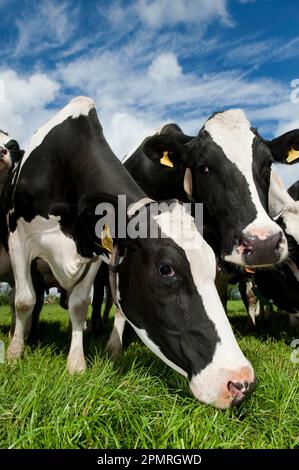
[{"x": 223, "y": 388}]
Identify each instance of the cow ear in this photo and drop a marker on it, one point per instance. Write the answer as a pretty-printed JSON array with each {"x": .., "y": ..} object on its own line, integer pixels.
[
  {"x": 166, "y": 150},
  {"x": 285, "y": 149}
]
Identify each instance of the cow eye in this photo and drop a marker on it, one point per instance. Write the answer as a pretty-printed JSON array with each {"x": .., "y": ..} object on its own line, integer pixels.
[
  {"x": 204, "y": 169},
  {"x": 166, "y": 270}
]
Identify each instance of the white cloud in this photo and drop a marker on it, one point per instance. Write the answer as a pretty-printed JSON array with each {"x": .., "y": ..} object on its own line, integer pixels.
[
  {"x": 25, "y": 106},
  {"x": 164, "y": 67},
  {"x": 158, "y": 13},
  {"x": 135, "y": 94},
  {"x": 48, "y": 25},
  {"x": 250, "y": 52}
]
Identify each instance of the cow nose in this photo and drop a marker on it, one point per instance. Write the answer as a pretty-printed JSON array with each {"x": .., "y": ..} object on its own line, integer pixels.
[
  {"x": 240, "y": 390},
  {"x": 260, "y": 250}
]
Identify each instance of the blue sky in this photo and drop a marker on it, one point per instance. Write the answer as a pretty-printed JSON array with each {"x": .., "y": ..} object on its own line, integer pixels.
[{"x": 147, "y": 62}]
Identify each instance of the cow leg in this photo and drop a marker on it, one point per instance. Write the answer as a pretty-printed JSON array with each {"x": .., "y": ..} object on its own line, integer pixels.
[
  {"x": 24, "y": 300},
  {"x": 114, "y": 345},
  {"x": 108, "y": 305},
  {"x": 78, "y": 306},
  {"x": 96, "y": 325}
]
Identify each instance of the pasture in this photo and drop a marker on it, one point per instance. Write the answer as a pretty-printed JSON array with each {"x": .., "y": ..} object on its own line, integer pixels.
[{"x": 139, "y": 402}]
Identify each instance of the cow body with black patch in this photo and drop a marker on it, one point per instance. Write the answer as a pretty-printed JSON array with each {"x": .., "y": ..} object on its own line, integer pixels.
[{"x": 163, "y": 286}]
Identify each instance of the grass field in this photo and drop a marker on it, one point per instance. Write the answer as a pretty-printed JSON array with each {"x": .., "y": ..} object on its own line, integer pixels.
[{"x": 140, "y": 402}]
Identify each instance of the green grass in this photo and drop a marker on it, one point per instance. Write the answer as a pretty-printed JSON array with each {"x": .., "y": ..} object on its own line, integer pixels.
[{"x": 140, "y": 402}]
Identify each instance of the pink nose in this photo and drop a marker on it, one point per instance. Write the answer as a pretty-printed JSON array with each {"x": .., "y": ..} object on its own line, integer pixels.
[{"x": 240, "y": 390}]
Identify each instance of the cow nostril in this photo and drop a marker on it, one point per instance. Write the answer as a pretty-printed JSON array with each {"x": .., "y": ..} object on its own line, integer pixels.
[
  {"x": 246, "y": 245},
  {"x": 240, "y": 390}
]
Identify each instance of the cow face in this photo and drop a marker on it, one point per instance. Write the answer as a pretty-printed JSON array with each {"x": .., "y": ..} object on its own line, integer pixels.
[
  {"x": 230, "y": 166},
  {"x": 167, "y": 293},
  {"x": 9, "y": 152}
]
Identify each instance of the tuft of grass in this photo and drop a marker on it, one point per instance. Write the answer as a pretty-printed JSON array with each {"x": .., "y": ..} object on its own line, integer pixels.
[{"x": 139, "y": 402}]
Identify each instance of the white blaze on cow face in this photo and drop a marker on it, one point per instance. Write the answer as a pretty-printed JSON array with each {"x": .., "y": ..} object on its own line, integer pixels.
[
  {"x": 232, "y": 132},
  {"x": 228, "y": 365}
]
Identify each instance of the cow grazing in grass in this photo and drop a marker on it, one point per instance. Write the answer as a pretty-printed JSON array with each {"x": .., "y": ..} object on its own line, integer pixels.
[{"x": 163, "y": 286}]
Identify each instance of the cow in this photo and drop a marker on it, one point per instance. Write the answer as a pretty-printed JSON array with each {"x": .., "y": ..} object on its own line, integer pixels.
[{"x": 163, "y": 286}]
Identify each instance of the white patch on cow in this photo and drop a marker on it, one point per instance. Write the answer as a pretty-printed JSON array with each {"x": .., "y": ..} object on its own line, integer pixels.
[
  {"x": 43, "y": 238},
  {"x": 79, "y": 106}
]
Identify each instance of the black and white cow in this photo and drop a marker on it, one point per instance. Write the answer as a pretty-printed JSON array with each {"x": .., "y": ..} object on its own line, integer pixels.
[{"x": 164, "y": 286}]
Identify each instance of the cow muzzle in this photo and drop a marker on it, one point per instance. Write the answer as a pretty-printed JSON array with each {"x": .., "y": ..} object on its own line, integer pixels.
[
  {"x": 258, "y": 248},
  {"x": 223, "y": 388}
]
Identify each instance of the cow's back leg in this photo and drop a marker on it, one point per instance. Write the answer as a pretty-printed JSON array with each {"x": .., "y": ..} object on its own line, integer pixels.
[
  {"x": 78, "y": 306},
  {"x": 24, "y": 297},
  {"x": 108, "y": 305}
]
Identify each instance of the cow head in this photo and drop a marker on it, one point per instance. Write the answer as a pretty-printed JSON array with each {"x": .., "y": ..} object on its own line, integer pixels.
[
  {"x": 166, "y": 290},
  {"x": 10, "y": 152},
  {"x": 231, "y": 165}
]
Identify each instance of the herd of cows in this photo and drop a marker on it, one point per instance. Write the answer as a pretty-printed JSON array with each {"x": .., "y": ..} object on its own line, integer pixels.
[{"x": 172, "y": 294}]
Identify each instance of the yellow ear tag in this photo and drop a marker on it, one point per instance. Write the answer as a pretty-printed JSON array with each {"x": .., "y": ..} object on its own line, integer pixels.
[
  {"x": 165, "y": 160},
  {"x": 106, "y": 239},
  {"x": 293, "y": 155}
]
